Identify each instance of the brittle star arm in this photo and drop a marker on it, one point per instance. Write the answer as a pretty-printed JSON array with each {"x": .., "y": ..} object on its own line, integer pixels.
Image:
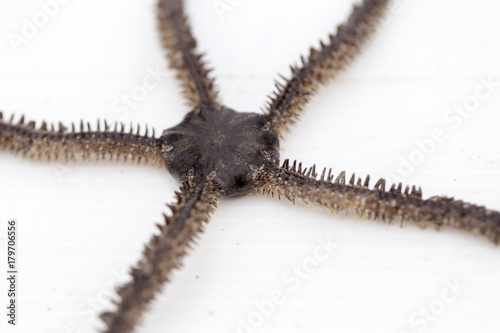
[
  {"x": 290, "y": 97},
  {"x": 162, "y": 254},
  {"x": 47, "y": 143},
  {"x": 177, "y": 38},
  {"x": 377, "y": 203}
]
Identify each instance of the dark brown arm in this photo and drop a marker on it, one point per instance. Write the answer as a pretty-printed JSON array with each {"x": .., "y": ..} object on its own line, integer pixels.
[
  {"x": 162, "y": 254},
  {"x": 47, "y": 143},
  {"x": 321, "y": 65},
  {"x": 378, "y": 203},
  {"x": 181, "y": 47}
]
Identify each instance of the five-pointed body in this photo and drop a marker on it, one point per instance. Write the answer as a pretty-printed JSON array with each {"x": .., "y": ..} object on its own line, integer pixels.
[{"x": 197, "y": 198}]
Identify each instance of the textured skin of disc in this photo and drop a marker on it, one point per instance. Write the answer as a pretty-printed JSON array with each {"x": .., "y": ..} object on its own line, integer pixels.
[{"x": 226, "y": 145}]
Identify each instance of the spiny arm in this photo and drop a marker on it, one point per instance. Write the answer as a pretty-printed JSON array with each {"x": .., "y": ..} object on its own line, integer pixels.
[
  {"x": 47, "y": 143},
  {"x": 176, "y": 35},
  {"x": 162, "y": 254},
  {"x": 378, "y": 203},
  {"x": 289, "y": 99}
]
